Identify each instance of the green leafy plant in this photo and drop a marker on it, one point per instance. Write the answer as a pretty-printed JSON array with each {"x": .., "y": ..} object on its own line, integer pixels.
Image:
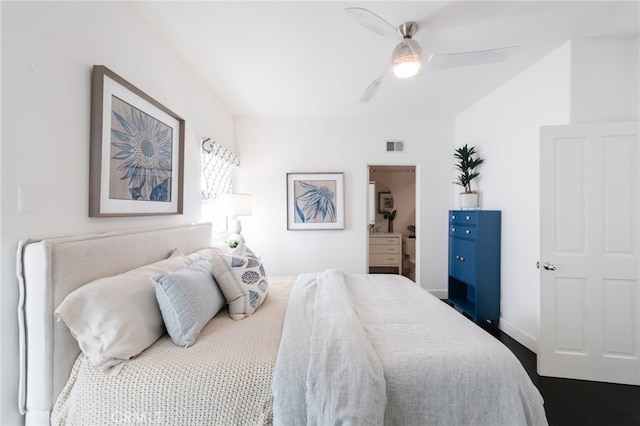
[
  {"x": 389, "y": 215},
  {"x": 466, "y": 164}
]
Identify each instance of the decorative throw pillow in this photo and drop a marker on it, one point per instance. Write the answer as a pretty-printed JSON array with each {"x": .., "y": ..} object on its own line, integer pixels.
[
  {"x": 188, "y": 299},
  {"x": 116, "y": 318},
  {"x": 241, "y": 277}
]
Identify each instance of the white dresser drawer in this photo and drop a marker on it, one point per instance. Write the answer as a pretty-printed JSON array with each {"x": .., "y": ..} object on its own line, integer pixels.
[
  {"x": 377, "y": 241},
  {"x": 384, "y": 259},
  {"x": 383, "y": 249}
]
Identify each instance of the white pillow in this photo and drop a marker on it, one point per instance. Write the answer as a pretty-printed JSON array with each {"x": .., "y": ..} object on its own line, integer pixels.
[
  {"x": 209, "y": 252},
  {"x": 241, "y": 277},
  {"x": 116, "y": 318},
  {"x": 188, "y": 299}
]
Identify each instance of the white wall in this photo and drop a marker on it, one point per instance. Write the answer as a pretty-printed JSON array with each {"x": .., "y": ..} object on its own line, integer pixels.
[
  {"x": 5, "y": 391},
  {"x": 604, "y": 80},
  {"x": 269, "y": 148},
  {"x": 504, "y": 126},
  {"x": 587, "y": 80},
  {"x": 48, "y": 49}
]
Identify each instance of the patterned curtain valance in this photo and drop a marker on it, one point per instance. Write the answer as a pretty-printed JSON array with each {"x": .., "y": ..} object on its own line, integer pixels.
[{"x": 217, "y": 165}]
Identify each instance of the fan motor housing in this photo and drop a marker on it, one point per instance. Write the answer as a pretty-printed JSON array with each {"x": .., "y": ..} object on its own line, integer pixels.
[{"x": 408, "y": 29}]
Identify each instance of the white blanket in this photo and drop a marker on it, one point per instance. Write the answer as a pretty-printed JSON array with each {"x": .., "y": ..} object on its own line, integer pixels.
[
  {"x": 343, "y": 380},
  {"x": 438, "y": 368}
]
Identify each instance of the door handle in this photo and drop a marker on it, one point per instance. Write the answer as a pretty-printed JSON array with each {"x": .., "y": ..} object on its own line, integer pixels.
[{"x": 549, "y": 266}]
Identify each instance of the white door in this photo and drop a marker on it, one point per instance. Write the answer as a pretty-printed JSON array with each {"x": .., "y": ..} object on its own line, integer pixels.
[{"x": 589, "y": 262}]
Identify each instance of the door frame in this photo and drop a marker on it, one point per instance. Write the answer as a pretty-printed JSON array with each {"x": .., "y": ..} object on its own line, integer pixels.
[{"x": 418, "y": 212}]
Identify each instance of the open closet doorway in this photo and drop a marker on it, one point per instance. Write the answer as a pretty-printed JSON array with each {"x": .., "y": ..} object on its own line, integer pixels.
[{"x": 392, "y": 236}]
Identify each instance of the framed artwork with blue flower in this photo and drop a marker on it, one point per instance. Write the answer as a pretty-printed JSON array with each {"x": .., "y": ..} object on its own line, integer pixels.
[
  {"x": 315, "y": 201},
  {"x": 136, "y": 151}
]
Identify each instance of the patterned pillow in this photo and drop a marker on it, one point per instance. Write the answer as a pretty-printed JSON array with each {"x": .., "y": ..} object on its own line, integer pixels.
[{"x": 241, "y": 277}]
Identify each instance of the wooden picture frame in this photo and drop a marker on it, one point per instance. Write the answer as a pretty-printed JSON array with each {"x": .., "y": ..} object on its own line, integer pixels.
[
  {"x": 315, "y": 201},
  {"x": 385, "y": 202},
  {"x": 136, "y": 151}
]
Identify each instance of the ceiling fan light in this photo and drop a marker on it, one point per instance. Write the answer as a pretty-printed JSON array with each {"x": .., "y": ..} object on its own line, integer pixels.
[
  {"x": 406, "y": 59},
  {"x": 406, "y": 69}
]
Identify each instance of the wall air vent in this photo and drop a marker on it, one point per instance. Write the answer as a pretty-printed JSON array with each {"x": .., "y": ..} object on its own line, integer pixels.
[{"x": 395, "y": 146}]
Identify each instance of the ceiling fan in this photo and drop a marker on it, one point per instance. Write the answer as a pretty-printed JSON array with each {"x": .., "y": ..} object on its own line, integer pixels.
[{"x": 407, "y": 59}]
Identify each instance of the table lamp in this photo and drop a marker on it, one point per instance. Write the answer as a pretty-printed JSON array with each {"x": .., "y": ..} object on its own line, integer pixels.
[{"x": 235, "y": 205}]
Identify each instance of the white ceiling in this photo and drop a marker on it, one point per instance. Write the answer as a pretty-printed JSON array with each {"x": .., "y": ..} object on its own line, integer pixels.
[{"x": 309, "y": 59}]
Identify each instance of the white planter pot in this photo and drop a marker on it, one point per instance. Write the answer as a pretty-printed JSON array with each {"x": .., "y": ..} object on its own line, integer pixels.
[{"x": 468, "y": 201}]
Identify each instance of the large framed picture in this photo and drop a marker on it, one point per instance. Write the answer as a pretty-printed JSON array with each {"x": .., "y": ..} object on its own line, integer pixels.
[
  {"x": 315, "y": 201},
  {"x": 136, "y": 151}
]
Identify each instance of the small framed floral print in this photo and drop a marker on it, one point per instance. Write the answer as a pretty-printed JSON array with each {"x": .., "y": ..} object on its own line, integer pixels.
[
  {"x": 315, "y": 201},
  {"x": 136, "y": 151}
]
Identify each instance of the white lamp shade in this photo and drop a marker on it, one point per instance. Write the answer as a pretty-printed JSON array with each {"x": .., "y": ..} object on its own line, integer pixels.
[
  {"x": 406, "y": 59},
  {"x": 236, "y": 204}
]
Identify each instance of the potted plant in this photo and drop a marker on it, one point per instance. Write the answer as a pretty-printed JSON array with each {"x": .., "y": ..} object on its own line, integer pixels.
[
  {"x": 467, "y": 162},
  {"x": 390, "y": 215}
]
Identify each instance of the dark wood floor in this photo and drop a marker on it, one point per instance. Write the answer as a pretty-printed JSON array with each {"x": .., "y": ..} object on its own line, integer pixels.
[{"x": 577, "y": 402}]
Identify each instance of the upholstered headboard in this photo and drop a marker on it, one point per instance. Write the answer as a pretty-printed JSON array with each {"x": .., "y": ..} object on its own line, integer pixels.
[{"x": 50, "y": 269}]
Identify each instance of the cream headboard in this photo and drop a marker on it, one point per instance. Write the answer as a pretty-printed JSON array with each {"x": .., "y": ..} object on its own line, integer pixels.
[{"x": 50, "y": 269}]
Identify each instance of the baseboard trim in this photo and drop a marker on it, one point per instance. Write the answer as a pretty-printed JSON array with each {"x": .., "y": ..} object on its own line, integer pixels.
[
  {"x": 514, "y": 332},
  {"x": 518, "y": 335},
  {"x": 440, "y": 294}
]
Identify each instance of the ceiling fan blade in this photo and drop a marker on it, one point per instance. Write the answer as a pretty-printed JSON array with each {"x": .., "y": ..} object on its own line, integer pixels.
[
  {"x": 371, "y": 90},
  {"x": 452, "y": 60},
  {"x": 373, "y": 22}
]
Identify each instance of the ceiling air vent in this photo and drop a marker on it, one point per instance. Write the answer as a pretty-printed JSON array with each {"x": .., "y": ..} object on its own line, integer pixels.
[{"x": 395, "y": 146}]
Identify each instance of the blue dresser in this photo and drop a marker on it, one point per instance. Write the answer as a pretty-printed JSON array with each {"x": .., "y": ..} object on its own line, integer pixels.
[{"x": 474, "y": 264}]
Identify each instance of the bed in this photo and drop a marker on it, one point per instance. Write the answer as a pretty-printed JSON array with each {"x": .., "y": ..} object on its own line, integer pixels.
[{"x": 323, "y": 347}]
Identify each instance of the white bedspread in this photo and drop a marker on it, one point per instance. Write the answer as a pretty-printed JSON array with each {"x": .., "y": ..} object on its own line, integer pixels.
[
  {"x": 438, "y": 368},
  {"x": 223, "y": 379}
]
